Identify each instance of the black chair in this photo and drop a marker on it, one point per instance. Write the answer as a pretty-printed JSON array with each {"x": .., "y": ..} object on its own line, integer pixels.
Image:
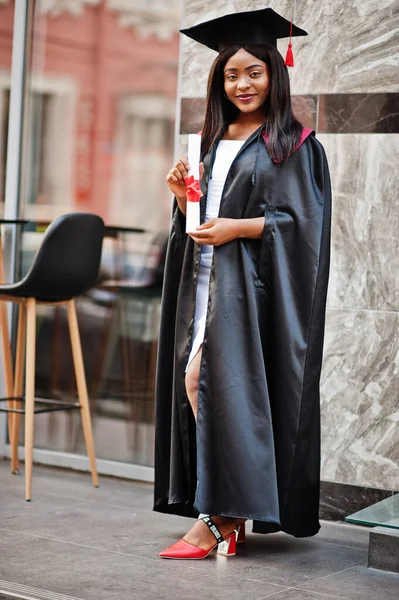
[{"x": 65, "y": 266}]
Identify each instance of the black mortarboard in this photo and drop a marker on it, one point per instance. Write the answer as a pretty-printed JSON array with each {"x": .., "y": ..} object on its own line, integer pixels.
[{"x": 262, "y": 26}]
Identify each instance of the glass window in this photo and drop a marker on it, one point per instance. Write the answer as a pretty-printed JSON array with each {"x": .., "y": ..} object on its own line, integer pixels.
[
  {"x": 99, "y": 132},
  {"x": 6, "y": 34}
]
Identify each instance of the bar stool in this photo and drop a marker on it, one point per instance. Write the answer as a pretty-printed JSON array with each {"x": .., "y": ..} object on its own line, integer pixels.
[{"x": 65, "y": 266}]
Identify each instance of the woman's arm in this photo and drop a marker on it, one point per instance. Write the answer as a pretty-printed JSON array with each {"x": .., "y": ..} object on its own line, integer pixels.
[
  {"x": 182, "y": 204},
  {"x": 220, "y": 231},
  {"x": 250, "y": 228}
]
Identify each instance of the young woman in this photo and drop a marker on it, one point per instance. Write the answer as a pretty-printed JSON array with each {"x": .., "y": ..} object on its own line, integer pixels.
[{"x": 240, "y": 349}]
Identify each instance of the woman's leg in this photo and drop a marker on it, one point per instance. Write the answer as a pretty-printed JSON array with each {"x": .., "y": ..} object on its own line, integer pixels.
[
  {"x": 192, "y": 380},
  {"x": 199, "y": 534}
]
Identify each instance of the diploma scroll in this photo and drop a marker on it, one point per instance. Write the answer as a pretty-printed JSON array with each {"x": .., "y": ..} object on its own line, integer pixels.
[{"x": 193, "y": 190}]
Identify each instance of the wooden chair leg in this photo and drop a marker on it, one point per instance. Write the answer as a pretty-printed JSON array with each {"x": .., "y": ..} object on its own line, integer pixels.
[
  {"x": 7, "y": 365},
  {"x": 30, "y": 393},
  {"x": 6, "y": 349},
  {"x": 18, "y": 385},
  {"x": 82, "y": 387}
]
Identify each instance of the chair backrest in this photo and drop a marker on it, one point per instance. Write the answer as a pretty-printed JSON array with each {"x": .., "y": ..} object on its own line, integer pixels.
[{"x": 68, "y": 259}]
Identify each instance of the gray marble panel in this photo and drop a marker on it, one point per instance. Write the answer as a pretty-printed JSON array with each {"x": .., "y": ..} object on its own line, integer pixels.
[
  {"x": 181, "y": 146},
  {"x": 358, "y": 113},
  {"x": 305, "y": 110},
  {"x": 351, "y": 47},
  {"x": 359, "y": 392},
  {"x": 365, "y": 232},
  {"x": 192, "y": 114}
]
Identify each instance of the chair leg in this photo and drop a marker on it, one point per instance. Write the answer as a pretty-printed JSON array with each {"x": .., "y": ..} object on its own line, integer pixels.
[
  {"x": 6, "y": 350},
  {"x": 7, "y": 364},
  {"x": 82, "y": 388},
  {"x": 18, "y": 385},
  {"x": 30, "y": 393}
]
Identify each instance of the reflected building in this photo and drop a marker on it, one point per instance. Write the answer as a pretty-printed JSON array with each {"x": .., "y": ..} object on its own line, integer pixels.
[{"x": 101, "y": 104}]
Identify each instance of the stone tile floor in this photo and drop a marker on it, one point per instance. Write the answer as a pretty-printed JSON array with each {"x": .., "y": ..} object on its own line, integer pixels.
[{"x": 74, "y": 541}]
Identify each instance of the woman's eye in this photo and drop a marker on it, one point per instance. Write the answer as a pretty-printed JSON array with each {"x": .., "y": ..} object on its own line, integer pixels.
[
  {"x": 231, "y": 77},
  {"x": 255, "y": 73}
]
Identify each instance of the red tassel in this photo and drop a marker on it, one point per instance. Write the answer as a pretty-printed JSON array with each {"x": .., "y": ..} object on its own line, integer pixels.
[{"x": 289, "y": 59}]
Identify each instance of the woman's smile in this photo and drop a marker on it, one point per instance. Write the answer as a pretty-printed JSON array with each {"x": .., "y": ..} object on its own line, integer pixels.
[{"x": 246, "y": 97}]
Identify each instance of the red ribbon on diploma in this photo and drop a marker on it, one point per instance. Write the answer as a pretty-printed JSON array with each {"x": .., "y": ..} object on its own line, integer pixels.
[{"x": 193, "y": 190}]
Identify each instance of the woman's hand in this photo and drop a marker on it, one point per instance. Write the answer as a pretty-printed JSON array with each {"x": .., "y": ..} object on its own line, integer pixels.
[
  {"x": 175, "y": 181},
  {"x": 175, "y": 178},
  {"x": 217, "y": 232}
]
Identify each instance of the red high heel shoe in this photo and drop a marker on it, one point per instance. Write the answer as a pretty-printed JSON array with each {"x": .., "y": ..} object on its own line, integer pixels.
[
  {"x": 241, "y": 533},
  {"x": 184, "y": 550}
]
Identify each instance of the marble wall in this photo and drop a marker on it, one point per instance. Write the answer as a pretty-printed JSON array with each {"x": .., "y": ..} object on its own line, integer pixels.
[{"x": 345, "y": 85}]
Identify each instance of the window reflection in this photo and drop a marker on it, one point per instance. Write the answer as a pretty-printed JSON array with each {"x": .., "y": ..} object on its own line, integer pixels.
[
  {"x": 99, "y": 137},
  {"x": 6, "y": 27},
  {"x": 4, "y": 113}
]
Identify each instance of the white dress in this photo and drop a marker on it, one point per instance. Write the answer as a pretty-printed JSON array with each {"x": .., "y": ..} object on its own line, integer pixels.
[{"x": 225, "y": 154}]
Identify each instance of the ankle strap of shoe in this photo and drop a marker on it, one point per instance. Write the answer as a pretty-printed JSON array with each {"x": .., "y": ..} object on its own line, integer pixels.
[{"x": 211, "y": 524}]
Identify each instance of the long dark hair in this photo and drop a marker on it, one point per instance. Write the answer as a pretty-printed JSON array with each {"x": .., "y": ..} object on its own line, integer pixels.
[{"x": 282, "y": 128}]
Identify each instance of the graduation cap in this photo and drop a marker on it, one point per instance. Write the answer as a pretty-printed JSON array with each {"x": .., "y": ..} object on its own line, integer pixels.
[{"x": 263, "y": 26}]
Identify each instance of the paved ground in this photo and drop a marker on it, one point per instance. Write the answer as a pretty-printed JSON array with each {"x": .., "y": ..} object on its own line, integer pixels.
[{"x": 102, "y": 544}]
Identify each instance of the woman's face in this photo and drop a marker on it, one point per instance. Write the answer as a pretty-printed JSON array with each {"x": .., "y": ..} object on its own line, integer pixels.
[{"x": 246, "y": 81}]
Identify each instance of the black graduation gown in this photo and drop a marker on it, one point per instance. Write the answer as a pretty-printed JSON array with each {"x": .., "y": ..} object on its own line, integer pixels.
[{"x": 255, "y": 449}]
